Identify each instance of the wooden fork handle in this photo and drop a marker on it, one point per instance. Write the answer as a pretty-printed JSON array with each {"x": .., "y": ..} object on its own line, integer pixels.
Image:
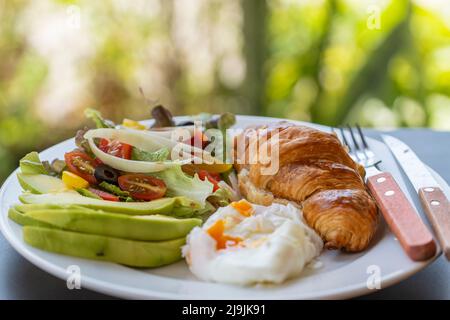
[
  {"x": 402, "y": 218},
  {"x": 437, "y": 208}
]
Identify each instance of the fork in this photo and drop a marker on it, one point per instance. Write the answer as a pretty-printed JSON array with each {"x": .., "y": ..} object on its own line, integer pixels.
[{"x": 400, "y": 215}]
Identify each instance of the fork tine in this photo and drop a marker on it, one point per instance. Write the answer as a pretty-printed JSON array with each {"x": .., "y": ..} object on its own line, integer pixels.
[
  {"x": 333, "y": 131},
  {"x": 363, "y": 139},
  {"x": 366, "y": 148},
  {"x": 352, "y": 135},
  {"x": 356, "y": 144},
  {"x": 344, "y": 139}
]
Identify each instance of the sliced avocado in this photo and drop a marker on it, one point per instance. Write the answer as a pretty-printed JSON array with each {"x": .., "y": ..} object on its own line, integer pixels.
[
  {"x": 31, "y": 164},
  {"x": 24, "y": 208},
  {"x": 143, "y": 228},
  {"x": 128, "y": 252},
  {"x": 40, "y": 183},
  {"x": 161, "y": 206},
  {"x": 24, "y": 220}
]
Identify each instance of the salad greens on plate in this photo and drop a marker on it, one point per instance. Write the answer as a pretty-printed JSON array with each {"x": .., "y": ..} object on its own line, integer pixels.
[{"x": 124, "y": 194}]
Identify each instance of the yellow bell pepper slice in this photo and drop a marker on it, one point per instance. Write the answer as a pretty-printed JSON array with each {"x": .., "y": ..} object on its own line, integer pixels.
[
  {"x": 133, "y": 124},
  {"x": 73, "y": 181}
]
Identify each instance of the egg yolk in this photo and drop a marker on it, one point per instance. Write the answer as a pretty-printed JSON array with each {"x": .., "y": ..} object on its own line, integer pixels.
[
  {"x": 216, "y": 231},
  {"x": 243, "y": 207}
]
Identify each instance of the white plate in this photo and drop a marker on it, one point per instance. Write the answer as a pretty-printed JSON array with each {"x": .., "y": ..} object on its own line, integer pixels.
[{"x": 342, "y": 275}]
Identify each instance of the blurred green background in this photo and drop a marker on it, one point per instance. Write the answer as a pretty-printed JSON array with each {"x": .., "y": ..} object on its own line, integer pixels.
[{"x": 382, "y": 63}]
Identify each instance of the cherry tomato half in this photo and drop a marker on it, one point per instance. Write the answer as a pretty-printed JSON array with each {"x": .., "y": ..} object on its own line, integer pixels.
[
  {"x": 82, "y": 165},
  {"x": 143, "y": 187},
  {"x": 213, "y": 178},
  {"x": 115, "y": 148},
  {"x": 104, "y": 195},
  {"x": 197, "y": 139}
]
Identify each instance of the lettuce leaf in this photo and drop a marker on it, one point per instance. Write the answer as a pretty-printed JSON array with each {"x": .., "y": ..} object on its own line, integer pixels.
[
  {"x": 141, "y": 155},
  {"x": 96, "y": 116},
  {"x": 82, "y": 142},
  {"x": 220, "y": 198},
  {"x": 185, "y": 212},
  {"x": 180, "y": 184},
  {"x": 31, "y": 164}
]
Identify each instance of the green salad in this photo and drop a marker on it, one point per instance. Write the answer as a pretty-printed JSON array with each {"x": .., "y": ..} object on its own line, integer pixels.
[{"x": 119, "y": 196}]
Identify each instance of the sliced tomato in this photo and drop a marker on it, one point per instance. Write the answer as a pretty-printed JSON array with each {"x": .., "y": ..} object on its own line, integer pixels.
[
  {"x": 215, "y": 176},
  {"x": 115, "y": 148},
  {"x": 143, "y": 187},
  {"x": 104, "y": 195},
  {"x": 82, "y": 165},
  {"x": 197, "y": 139},
  {"x": 212, "y": 177},
  {"x": 98, "y": 161}
]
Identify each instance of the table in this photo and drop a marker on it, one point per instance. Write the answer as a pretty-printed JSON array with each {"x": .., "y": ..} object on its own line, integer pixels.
[{"x": 19, "y": 279}]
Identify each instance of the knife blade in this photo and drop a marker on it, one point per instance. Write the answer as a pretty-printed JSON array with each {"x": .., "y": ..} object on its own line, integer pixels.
[{"x": 433, "y": 200}]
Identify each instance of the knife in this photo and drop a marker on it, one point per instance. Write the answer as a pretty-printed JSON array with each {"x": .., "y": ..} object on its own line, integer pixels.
[{"x": 433, "y": 199}]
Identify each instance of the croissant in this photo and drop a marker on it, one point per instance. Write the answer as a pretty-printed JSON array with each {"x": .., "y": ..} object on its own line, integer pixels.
[{"x": 314, "y": 172}]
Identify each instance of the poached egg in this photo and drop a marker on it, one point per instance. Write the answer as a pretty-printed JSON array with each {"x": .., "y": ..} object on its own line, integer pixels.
[{"x": 245, "y": 243}]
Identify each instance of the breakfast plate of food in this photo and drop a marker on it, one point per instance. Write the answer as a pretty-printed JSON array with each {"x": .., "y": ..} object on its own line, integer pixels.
[{"x": 208, "y": 207}]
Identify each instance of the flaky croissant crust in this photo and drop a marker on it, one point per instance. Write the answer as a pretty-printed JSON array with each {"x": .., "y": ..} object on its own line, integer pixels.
[{"x": 316, "y": 172}]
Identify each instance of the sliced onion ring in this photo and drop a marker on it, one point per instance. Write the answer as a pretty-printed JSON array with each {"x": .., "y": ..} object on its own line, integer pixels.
[{"x": 147, "y": 141}]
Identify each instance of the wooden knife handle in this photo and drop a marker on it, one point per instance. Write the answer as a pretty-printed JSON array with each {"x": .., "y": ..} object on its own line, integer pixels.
[
  {"x": 437, "y": 208},
  {"x": 402, "y": 218}
]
